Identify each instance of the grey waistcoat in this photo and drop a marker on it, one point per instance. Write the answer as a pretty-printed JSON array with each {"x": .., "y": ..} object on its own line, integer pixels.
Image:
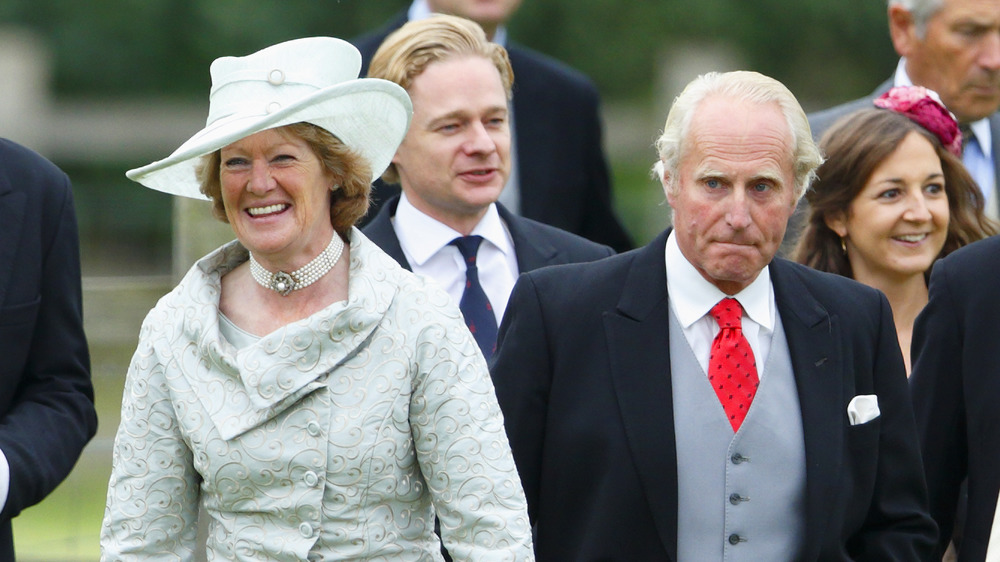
[{"x": 742, "y": 496}]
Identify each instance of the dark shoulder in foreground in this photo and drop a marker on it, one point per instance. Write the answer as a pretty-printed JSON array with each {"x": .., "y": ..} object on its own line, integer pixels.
[
  {"x": 834, "y": 291},
  {"x": 586, "y": 277},
  {"x": 575, "y": 247},
  {"x": 25, "y": 170},
  {"x": 976, "y": 259}
]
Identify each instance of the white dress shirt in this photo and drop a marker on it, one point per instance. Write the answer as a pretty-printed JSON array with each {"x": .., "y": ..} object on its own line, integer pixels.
[
  {"x": 978, "y": 153},
  {"x": 426, "y": 245},
  {"x": 691, "y": 298}
]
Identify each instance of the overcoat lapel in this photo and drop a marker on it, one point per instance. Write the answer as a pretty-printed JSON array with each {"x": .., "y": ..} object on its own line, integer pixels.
[
  {"x": 381, "y": 232},
  {"x": 814, "y": 343},
  {"x": 532, "y": 252},
  {"x": 640, "y": 371}
]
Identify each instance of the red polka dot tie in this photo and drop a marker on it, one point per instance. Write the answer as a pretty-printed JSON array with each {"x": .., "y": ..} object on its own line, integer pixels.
[{"x": 732, "y": 369}]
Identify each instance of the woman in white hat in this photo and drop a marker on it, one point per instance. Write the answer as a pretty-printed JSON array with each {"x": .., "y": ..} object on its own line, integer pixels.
[{"x": 312, "y": 398}]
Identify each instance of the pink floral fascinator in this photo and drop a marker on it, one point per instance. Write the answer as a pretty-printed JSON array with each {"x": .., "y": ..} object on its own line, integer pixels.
[{"x": 924, "y": 107}]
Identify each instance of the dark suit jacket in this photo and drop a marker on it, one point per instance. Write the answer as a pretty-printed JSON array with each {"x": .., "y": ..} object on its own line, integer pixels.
[
  {"x": 46, "y": 398},
  {"x": 582, "y": 374},
  {"x": 956, "y": 391},
  {"x": 562, "y": 170},
  {"x": 537, "y": 245}
]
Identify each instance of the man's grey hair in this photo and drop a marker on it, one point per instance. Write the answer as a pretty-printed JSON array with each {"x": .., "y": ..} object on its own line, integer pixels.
[
  {"x": 921, "y": 10},
  {"x": 743, "y": 85}
]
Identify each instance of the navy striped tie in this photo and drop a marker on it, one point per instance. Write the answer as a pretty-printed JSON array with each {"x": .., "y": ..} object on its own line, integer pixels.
[{"x": 475, "y": 306}]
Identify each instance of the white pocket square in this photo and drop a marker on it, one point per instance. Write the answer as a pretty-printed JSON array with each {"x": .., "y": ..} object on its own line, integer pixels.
[{"x": 863, "y": 409}]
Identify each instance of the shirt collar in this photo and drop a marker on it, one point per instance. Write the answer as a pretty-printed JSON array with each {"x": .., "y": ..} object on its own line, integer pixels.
[
  {"x": 421, "y": 237},
  {"x": 420, "y": 10},
  {"x": 981, "y": 128},
  {"x": 693, "y": 296}
]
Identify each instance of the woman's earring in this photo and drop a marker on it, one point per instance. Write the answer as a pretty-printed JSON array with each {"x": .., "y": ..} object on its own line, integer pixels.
[
  {"x": 334, "y": 187},
  {"x": 843, "y": 246}
]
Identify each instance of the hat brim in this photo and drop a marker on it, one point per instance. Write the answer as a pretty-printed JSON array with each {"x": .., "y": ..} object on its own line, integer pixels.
[{"x": 369, "y": 115}]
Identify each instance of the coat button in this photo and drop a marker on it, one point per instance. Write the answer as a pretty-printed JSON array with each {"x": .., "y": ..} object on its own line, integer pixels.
[
  {"x": 735, "y": 499},
  {"x": 310, "y": 478},
  {"x": 313, "y": 428},
  {"x": 738, "y": 458},
  {"x": 735, "y": 539},
  {"x": 306, "y": 530},
  {"x": 272, "y": 107}
]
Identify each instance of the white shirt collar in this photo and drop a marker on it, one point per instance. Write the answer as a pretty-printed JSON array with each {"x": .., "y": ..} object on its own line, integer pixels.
[
  {"x": 421, "y": 236},
  {"x": 420, "y": 10},
  {"x": 692, "y": 296},
  {"x": 981, "y": 128}
]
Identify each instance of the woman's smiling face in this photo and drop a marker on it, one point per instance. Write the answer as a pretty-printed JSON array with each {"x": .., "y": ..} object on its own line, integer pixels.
[
  {"x": 277, "y": 194},
  {"x": 898, "y": 223}
]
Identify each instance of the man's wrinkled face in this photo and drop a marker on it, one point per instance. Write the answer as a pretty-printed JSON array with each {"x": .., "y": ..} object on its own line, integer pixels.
[
  {"x": 735, "y": 190},
  {"x": 959, "y": 57}
]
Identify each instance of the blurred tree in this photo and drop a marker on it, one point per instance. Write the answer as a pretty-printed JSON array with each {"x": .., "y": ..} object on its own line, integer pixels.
[
  {"x": 825, "y": 51},
  {"x": 128, "y": 48}
]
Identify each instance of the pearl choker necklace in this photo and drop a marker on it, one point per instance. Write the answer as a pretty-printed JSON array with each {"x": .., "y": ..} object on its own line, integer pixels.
[{"x": 284, "y": 283}]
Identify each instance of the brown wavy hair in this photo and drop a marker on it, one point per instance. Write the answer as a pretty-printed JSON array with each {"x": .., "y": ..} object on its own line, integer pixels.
[
  {"x": 350, "y": 171},
  {"x": 854, "y": 147}
]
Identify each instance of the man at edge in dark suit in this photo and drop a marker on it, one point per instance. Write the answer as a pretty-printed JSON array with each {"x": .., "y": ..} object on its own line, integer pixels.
[
  {"x": 559, "y": 173},
  {"x": 696, "y": 399},
  {"x": 46, "y": 397},
  {"x": 452, "y": 165},
  {"x": 956, "y": 390}
]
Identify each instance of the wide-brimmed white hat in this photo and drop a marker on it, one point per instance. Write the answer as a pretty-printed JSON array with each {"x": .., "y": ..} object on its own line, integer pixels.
[{"x": 315, "y": 80}]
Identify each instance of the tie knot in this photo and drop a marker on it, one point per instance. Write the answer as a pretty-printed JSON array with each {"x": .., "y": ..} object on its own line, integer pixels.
[
  {"x": 728, "y": 313},
  {"x": 468, "y": 246}
]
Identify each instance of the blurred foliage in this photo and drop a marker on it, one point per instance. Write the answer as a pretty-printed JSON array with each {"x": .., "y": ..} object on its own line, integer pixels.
[{"x": 825, "y": 51}]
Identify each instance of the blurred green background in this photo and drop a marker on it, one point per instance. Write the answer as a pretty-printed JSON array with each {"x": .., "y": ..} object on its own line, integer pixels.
[{"x": 123, "y": 82}]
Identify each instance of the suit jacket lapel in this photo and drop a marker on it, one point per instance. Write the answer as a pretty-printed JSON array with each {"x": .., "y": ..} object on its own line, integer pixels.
[
  {"x": 532, "y": 252},
  {"x": 380, "y": 231},
  {"x": 814, "y": 343},
  {"x": 640, "y": 372}
]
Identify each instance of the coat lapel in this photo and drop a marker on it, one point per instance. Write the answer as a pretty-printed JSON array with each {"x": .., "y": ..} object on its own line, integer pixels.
[
  {"x": 640, "y": 371},
  {"x": 814, "y": 342},
  {"x": 532, "y": 252},
  {"x": 380, "y": 231}
]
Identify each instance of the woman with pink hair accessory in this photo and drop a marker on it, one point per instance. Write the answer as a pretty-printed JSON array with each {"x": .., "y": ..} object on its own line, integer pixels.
[{"x": 891, "y": 198}]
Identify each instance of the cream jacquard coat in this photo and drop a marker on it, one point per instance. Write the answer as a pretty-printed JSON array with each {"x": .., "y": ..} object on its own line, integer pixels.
[{"x": 333, "y": 438}]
